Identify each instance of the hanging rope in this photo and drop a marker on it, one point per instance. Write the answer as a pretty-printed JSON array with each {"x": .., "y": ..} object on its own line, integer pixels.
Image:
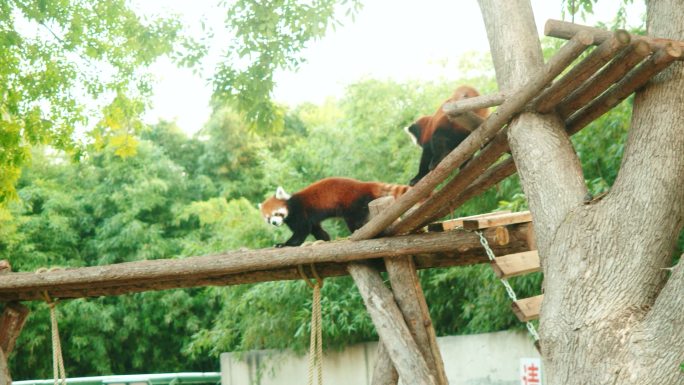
[
  {"x": 509, "y": 289},
  {"x": 316, "y": 340},
  {"x": 59, "y": 373}
]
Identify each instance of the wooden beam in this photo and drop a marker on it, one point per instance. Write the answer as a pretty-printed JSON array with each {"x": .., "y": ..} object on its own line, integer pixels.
[
  {"x": 384, "y": 372},
  {"x": 551, "y": 96},
  {"x": 492, "y": 125},
  {"x": 466, "y": 251},
  {"x": 527, "y": 309},
  {"x": 409, "y": 296},
  {"x": 471, "y": 104},
  {"x": 231, "y": 263},
  {"x": 497, "y": 220},
  {"x": 566, "y": 30},
  {"x": 390, "y": 325},
  {"x": 634, "y": 80},
  {"x": 458, "y": 222},
  {"x": 468, "y": 120},
  {"x": 516, "y": 264},
  {"x": 12, "y": 321},
  {"x": 5, "y": 378},
  {"x": 627, "y": 59}
]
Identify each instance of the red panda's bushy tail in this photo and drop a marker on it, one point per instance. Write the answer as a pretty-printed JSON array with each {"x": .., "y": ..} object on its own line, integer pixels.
[{"x": 395, "y": 190}]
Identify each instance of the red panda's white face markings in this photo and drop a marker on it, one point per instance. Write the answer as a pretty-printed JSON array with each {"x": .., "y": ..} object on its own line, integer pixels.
[{"x": 274, "y": 209}]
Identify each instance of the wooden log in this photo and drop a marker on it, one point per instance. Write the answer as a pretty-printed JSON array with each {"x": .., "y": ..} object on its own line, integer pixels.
[
  {"x": 12, "y": 321},
  {"x": 411, "y": 301},
  {"x": 468, "y": 120},
  {"x": 516, "y": 264},
  {"x": 458, "y": 107},
  {"x": 234, "y": 262},
  {"x": 5, "y": 378},
  {"x": 390, "y": 325},
  {"x": 436, "y": 206},
  {"x": 458, "y": 222},
  {"x": 5, "y": 266},
  {"x": 527, "y": 309},
  {"x": 409, "y": 296},
  {"x": 634, "y": 80},
  {"x": 566, "y": 30},
  {"x": 627, "y": 59},
  {"x": 551, "y": 96},
  {"x": 384, "y": 372},
  {"x": 497, "y": 220},
  {"x": 467, "y": 251},
  {"x": 569, "y": 52}
]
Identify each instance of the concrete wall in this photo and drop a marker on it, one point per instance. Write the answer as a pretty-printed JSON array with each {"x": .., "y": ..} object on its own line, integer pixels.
[{"x": 480, "y": 359}]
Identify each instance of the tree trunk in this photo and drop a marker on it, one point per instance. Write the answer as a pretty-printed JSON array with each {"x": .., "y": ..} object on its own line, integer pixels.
[{"x": 612, "y": 312}]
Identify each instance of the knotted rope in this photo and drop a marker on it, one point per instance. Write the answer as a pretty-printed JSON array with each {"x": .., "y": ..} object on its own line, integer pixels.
[
  {"x": 316, "y": 340},
  {"x": 57, "y": 360}
]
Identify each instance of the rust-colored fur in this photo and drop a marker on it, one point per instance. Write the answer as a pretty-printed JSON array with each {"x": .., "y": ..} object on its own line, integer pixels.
[
  {"x": 450, "y": 134},
  {"x": 327, "y": 198}
]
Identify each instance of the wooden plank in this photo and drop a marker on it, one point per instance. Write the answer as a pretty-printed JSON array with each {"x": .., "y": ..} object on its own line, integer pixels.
[
  {"x": 516, "y": 264},
  {"x": 498, "y": 220},
  {"x": 451, "y": 224},
  {"x": 11, "y": 323},
  {"x": 527, "y": 309}
]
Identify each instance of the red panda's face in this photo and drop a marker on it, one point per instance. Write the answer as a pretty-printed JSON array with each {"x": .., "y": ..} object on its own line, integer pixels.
[{"x": 274, "y": 209}]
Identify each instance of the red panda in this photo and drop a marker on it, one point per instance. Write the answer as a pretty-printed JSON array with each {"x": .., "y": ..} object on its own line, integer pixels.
[
  {"x": 303, "y": 211},
  {"x": 437, "y": 135}
]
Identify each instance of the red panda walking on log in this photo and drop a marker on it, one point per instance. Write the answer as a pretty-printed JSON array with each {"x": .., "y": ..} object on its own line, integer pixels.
[
  {"x": 437, "y": 135},
  {"x": 303, "y": 211}
]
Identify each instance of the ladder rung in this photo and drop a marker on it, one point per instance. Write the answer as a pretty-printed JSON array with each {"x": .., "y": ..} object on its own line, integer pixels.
[
  {"x": 516, "y": 264},
  {"x": 497, "y": 220},
  {"x": 527, "y": 309}
]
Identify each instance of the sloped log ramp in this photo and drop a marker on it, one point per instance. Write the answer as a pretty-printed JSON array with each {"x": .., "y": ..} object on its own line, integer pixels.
[
  {"x": 239, "y": 267},
  {"x": 574, "y": 96},
  {"x": 491, "y": 126}
]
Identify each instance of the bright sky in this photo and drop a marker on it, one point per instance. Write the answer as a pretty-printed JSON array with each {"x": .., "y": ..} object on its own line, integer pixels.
[{"x": 390, "y": 39}]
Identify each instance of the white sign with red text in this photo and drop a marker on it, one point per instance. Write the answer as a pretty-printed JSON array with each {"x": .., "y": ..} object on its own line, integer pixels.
[{"x": 530, "y": 371}]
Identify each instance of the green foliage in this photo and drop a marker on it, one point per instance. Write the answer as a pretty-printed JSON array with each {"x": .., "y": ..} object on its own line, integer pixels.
[
  {"x": 56, "y": 55},
  {"x": 177, "y": 196},
  {"x": 269, "y": 36},
  {"x": 586, "y": 7}
]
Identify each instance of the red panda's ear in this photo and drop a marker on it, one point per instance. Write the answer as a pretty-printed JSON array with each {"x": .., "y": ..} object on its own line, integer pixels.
[
  {"x": 259, "y": 206},
  {"x": 281, "y": 194}
]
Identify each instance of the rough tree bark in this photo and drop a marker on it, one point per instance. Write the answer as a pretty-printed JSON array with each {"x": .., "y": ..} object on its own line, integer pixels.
[{"x": 613, "y": 312}]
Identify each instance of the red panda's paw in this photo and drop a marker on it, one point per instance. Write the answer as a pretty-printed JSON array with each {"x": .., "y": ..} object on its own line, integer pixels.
[{"x": 279, "y": 245}]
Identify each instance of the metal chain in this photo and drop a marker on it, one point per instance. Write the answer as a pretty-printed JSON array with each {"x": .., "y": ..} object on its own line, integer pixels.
[{"x": 504, "y": 281}]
